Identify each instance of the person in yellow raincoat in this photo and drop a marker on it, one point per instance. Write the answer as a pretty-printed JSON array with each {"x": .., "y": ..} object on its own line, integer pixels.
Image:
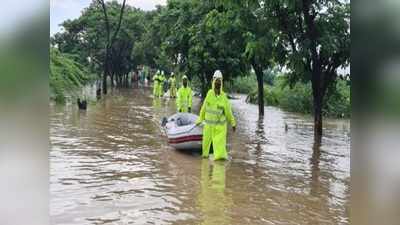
[
  {"x": 161, "y": 84},
  {"x": 172, "y": 86},
  {"x": 216, "y": 112},
  {"x": 156, "y": 81},
  {"x": 184, "y": 99}
]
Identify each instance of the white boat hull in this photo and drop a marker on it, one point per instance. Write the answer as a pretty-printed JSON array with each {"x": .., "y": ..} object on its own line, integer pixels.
[{"x": 182, "y": 132}]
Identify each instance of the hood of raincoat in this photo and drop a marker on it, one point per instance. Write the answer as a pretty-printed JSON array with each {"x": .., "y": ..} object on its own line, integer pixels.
[
  {"x": 218, "y": 75},
  {"x": 185, "y": 77}
]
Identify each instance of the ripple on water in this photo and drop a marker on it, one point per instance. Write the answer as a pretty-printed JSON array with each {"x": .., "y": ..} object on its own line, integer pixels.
[{"x": 111, "y": 165}]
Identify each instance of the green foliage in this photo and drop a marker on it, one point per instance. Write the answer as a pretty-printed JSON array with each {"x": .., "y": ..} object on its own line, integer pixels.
[
  {"x": 247, "y": 83},
  {"x": 338, "y": 102},
  {"x": 299, "y": 98},
  {"x": 197, "y": 37},
  {"x": 86, "y": 38},
  {"x": 242, "y": 84},
  {"x": 311, "y": 33},
  {"x": 66, "y": 75},
  {"x": 272, "y": 95}
]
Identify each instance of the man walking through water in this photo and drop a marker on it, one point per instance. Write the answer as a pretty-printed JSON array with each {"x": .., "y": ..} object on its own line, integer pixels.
[
  {"x": 172, "y": 86},
  {"x": 216, "y": 112},
  {"x": 161, "y": 84},
  {"x": 184, "y": 100},
  {"x": 156, "y": 81}
]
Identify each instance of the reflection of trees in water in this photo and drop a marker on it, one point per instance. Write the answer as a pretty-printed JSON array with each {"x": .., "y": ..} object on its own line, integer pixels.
[
  {"x": 260, "y": 132},
  {"x": 321, "y": 189},
  {"x": 260, "y": 139},
  {"x": 315, "y": 170},
  {"x": 212, "y": 200}
]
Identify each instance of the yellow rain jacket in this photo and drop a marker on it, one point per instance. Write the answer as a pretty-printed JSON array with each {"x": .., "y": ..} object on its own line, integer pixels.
[
  {"x": 216, "y": 112},
  {"x": 184, "y": 99},
  {"x": 161, "y": 85},
  {"x": 172, "y": 87},
  {"x": 156, "y": 81}
]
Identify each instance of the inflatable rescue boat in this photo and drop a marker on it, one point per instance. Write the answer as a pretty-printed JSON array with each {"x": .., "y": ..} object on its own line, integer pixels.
[{"x": 182, "y": 132}]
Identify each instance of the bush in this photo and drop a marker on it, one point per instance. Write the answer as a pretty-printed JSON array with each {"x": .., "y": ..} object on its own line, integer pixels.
[
  {"x": 338, "y": 102},
  {"x": 297, "y": 99},
  {"x": 300, "y": 99},
  {"x": 66, "y": 75},
  {"x": 271, "y": 95},
  {"x": 243, "y": 84}
]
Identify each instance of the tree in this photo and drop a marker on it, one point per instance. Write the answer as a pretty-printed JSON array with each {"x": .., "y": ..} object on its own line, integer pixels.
[
  {"x": 110, "y": 40},
  {"x": 316, "y": 37},
  {"x": 85, "y": 37},
  {"x": 199, "y": 40},
  {"x": 260, "y": 40}
]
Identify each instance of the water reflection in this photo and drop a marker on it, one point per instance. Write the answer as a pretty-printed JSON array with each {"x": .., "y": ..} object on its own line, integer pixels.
[
  {"x": 111, "y": 164},
  {"x": 315, "y": 170},
  {"x": 261, "y": 138},
  {"x": 157, "y": 104},
  {"x": 212, "y": 200}
]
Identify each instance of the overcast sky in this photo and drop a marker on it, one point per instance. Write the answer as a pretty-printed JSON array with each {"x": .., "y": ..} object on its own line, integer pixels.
[{"x": 61, "y": 10}]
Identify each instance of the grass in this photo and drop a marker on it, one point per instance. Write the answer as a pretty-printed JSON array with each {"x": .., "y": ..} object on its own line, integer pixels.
[{"x": 299, "y": 98}]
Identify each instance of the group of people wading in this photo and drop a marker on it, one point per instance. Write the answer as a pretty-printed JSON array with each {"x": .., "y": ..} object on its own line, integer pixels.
[{"x": 215, "y": 112}]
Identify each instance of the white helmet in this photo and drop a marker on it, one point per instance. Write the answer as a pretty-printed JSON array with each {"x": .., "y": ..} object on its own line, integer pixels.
[{"x": 217, "y": 75}]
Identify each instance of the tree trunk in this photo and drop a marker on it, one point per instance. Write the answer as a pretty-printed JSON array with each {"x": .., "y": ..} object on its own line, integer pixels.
[
  {"x": 104, "y": 83},
  {"x": 318, "y": 97},
  {"x": 105, "y": 72},
  {"x": 112, "y": 80},
  {"x": 109, "y": 41},
  {"x": 260, "y": 84},
  {"x": 98, "y": 88},
  {"x": 203, "y": 87},
  {"x": 126, "y": 80}
]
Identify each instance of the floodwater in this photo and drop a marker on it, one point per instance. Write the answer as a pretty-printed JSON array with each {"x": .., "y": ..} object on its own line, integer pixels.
[{"x": 112, "y": 165}]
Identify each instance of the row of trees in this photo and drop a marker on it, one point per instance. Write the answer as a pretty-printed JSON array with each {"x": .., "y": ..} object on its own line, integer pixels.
[{"x": 309, "y": 39}]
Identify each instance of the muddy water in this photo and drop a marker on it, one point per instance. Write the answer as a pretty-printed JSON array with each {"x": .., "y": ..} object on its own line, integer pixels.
[{"x": 112, "y": 165}]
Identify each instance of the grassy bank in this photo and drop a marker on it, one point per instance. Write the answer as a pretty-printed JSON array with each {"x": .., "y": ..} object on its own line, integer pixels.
[
  {"x": 66, "y": 76},
  {"x": 296, "y": 99}
]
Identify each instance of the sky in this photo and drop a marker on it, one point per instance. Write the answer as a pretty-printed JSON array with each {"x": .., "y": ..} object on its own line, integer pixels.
[{"x": 61, "y": 10}]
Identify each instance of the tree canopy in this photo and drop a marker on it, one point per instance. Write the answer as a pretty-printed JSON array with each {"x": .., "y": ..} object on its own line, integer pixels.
[{"x": 308, "y": 39}]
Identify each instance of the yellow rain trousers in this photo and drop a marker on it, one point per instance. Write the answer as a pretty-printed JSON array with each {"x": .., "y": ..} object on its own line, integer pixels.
[
  {"x": 215, "y": 112},
  {"x": 156, "y": 85},
  {"x": 184, "y": 99},
  {"x": 172, "y": 87}
]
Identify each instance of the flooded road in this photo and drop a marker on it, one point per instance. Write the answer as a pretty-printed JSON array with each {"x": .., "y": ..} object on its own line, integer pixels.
[{"x": 112, "y": 165}]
